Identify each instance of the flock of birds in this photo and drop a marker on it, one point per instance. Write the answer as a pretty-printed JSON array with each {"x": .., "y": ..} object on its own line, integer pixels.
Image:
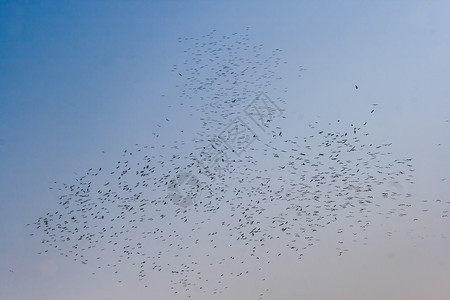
[{"x": 239, "y": 194}]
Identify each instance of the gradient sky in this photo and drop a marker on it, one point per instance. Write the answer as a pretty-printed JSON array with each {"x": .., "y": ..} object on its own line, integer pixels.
[{"x": 81, "y": 77}]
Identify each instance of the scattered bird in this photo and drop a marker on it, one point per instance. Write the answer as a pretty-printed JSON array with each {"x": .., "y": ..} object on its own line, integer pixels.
[{"x": 164, "y": 211}]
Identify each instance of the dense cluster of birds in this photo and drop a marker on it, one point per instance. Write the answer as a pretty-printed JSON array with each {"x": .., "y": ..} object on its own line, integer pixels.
[{"x": 239, "y": 193}]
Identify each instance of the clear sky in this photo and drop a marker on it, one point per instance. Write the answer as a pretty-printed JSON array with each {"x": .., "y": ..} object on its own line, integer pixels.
[{"x": 83, "y": 81}]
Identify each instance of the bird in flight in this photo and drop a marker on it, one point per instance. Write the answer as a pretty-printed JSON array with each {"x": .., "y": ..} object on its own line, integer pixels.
[{"x": 346, "y": 167}]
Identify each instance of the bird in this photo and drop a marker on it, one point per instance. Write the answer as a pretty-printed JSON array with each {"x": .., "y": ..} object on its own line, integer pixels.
[{"x": 205, "y": 199}]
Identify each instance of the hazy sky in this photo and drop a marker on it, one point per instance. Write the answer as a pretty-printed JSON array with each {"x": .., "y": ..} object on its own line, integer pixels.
[{"x": 81, "y": 81}]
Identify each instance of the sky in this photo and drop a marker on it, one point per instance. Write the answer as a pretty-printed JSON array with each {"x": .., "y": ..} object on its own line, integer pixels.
[{"x": 81, "y": 82}]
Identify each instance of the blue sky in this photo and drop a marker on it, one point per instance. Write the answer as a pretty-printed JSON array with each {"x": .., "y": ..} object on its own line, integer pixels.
[{"x": 82, "y": 81}]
